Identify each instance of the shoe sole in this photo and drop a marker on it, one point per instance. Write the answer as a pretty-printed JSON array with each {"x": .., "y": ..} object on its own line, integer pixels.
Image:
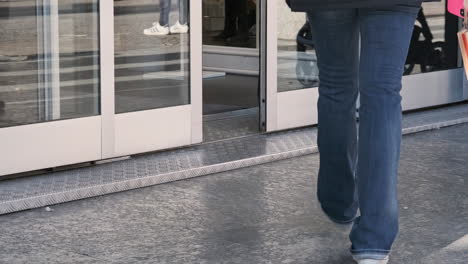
[
  {"x": 155, "y": 34},
  {"x": 376, "y": 261},
  {"x": 179, "y": 32},
  {"x": 382, "y": 261}
]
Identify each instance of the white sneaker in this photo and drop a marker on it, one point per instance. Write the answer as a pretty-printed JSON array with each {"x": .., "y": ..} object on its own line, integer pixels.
[
  {"x": 178, "y": 28},
  {"x": 372, "y": 261},
  {"x": 156, "y": 30}
]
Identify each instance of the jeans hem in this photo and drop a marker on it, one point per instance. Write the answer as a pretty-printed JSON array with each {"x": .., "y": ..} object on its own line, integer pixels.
[{"x": 370, "y": 254}]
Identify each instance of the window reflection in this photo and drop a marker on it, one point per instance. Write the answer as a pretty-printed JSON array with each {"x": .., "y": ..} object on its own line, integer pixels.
[
  {"x": 230, "y": 23},
  {"x": 152, "y": 57},
  {"x": 297, "y": 63},
  {"x": 49, "y": 60},
  {"x": 433, "y": 47}
]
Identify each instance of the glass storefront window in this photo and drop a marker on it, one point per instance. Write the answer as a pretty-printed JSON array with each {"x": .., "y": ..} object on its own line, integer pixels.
[
  {"x": 49, "y": 60},
  {"x": 152, "y": 56}
]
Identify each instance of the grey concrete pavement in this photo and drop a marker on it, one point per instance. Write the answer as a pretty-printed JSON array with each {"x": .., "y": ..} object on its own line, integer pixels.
[{"x": 263, "y": 214}]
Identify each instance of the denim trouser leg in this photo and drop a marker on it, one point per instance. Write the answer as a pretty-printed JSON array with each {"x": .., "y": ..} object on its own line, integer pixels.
[
  {"x": 336, "y": 35},
  {"x": 183, "y": 12},
  {"x": 165, "y": 10},
  {"x": 385, "y": 36}
]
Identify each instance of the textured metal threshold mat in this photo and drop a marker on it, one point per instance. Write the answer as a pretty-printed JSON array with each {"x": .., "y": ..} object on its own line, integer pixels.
[{"x": 147, "y": 170}]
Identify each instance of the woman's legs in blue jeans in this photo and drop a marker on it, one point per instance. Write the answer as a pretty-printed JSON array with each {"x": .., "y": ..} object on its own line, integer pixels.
[{"x": 385, "y": 37}]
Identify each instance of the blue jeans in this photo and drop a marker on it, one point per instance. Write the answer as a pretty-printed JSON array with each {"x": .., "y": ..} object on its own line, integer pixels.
[
  {"x": 165, "y": 6},
  {"x": 361, "y": 51}
]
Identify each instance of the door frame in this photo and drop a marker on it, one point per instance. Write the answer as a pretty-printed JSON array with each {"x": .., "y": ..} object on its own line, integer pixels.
[
  {"x": 141, "y": 131},
  {"x": 284, "y": 110}
]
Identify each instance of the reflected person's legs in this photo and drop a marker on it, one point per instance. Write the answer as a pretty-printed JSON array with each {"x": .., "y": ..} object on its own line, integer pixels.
[
  {"x": 183, "y": 12},
  {"x": 162, "y": 27},
  {"x": 385, "y": 38},
  {"x": 182, "y": 25},
  {"x": 165, "y": 10},
  {"x": 242, "y": 21},
  {"x": 230, "y": 18},
  {"x": 242, "y": 13},
  {"x": 336, "y": 35}
]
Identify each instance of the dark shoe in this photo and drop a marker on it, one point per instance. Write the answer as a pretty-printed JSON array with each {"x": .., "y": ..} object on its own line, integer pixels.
[{"x": 224, "y": 35}]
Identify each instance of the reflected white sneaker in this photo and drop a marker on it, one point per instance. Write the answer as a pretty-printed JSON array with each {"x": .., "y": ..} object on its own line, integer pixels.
[
  {"x": 372, "y": 261},
  {"x": 156, "y": 30},
  {"x": 178, "y": 28}
]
